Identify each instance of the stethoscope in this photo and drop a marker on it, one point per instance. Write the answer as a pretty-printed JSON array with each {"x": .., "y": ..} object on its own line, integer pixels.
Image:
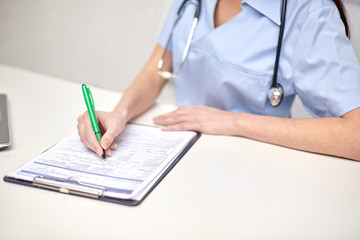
[{"x": 276, "y": 91}]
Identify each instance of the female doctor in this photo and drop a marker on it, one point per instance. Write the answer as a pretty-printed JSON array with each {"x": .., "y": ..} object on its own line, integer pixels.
[{"x": 225, "y": 83}]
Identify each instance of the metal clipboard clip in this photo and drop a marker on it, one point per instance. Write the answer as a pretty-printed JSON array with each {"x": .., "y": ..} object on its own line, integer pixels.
[{"x": 58, "y": 185}]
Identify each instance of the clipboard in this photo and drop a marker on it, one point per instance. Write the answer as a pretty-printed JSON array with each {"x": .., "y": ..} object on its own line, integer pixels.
[{"x": 73, "y": 186}]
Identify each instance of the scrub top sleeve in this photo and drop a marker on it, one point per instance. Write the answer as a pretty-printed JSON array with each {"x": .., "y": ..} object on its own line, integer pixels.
[
  {"x": 168, "y": 24},
  {"x": 326, "y": 70}
]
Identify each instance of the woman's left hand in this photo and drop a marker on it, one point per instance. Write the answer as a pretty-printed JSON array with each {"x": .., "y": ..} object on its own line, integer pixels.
[{"x": 198, "y": 118}]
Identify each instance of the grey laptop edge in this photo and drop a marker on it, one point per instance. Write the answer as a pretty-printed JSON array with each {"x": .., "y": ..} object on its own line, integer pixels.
[{"x": 4, "y": 123}]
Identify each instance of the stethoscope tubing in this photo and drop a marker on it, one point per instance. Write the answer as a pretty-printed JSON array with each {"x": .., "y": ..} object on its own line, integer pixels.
[
  {"x": 276, "y": 91},
  {"x": 280, "y": 40}
]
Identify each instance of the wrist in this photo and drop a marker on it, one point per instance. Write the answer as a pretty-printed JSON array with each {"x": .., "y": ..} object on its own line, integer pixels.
[
  {"x": 243, "y": 124},
  {"x": 123, "y": 112}
]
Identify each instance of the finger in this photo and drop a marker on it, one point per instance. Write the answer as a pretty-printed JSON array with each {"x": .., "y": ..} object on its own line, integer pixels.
[
  {"x": 87, "y": 135},
  {"x": 93, "y": 144},
  {"x": 178, "y": 111},
  {"x": 171, "y": 118},
  {"x": 183, "y": 126},
  {"x": 113, "y": 146},
  {"x": 107, "y": 139},
  {"x": 108, "y": 151},
  {"x": 95, "y": 147}
]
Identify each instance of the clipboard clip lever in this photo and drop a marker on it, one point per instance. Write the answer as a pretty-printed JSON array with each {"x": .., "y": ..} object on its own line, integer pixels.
[{"x": 80, "y": 188}]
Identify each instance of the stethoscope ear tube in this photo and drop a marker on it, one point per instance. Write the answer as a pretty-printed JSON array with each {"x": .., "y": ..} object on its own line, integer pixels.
[
  {"x": 169, "y": 75},
  {"x": 276, "y": 91},
  {"x": 197, "y": 12}
]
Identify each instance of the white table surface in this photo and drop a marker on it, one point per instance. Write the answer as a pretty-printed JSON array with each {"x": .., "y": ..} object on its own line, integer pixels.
[{"x": 223, "y": 188}]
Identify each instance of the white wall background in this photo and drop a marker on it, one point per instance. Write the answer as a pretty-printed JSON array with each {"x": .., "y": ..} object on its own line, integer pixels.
[{"x": 98, "y": 42}]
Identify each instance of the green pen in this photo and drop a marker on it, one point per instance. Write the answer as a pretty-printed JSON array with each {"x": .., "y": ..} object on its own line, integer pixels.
[{"x": 89, "y": 101}]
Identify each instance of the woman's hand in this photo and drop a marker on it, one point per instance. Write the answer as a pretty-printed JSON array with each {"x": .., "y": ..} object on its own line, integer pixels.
[
  {"x": 111, "y": 124},
  {"x": 198, "y": 118}
]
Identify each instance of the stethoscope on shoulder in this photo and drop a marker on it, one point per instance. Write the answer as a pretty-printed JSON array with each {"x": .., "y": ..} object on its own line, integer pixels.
[{"x": 276, "y": 91}]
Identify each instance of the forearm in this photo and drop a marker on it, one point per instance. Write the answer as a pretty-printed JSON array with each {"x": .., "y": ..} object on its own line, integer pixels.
[
  {"x": 331, "y": 136},
  {"x": 146, "y": 87},
  {"x": 140, "y": 95}
]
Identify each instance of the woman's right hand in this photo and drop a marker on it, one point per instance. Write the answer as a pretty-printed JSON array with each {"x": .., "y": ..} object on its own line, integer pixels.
[
  {"x": 111, "y": 124},
  {"x": 137, "y": 98}
]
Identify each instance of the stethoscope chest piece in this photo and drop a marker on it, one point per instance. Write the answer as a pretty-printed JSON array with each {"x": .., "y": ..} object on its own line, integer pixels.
[{"x": 275, "y": 95}]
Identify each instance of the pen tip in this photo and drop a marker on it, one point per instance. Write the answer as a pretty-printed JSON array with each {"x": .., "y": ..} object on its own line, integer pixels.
[{"x": 103, "y": 155}]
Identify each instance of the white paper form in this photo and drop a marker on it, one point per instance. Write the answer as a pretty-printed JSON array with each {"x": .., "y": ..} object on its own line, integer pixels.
[{"x": 142, "y": 155}]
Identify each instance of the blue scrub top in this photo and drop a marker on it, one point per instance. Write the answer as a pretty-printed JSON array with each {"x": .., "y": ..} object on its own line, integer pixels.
[{"x": 231, "y": 67}]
